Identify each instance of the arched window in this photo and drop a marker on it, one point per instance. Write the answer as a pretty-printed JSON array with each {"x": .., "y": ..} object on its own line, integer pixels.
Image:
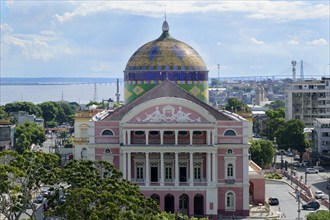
[
  {"x": 198, "y": 133},
  {"x": 168, "y": 133},
  {"x": 230, "y": 170},
  {"x": 139, "y": 133},
  {"x": 107, "y": 132},
  {"x": 107, "y": 151},
  {"x": 153, "y": 133},
  {"x": 230, "y": 133},
  {"x": 183, "y": 133},
  {"x": 230, "y": 201},
  {"x": 230, "y": 151}
]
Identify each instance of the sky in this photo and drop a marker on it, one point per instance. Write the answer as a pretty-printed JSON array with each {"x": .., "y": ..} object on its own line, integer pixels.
[{"x": 97, "y": 38}]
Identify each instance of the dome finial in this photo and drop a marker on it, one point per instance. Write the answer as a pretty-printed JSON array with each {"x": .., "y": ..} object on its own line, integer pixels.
[{"x": 165, "y": 26}]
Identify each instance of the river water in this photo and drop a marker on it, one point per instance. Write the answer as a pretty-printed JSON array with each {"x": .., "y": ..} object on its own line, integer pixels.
[{"x": 80, "y": 93}]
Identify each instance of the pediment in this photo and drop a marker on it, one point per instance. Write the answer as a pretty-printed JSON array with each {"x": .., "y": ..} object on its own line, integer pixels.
[{"x": 161, "y": 111}]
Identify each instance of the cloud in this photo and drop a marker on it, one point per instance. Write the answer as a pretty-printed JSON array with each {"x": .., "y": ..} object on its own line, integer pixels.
[
  {"x": 32, "y": 46},
  {"x": 218, "y": 43},
  {"x": 293, "y": 42},
  {"x": 5, "y": 28},
  {"x": 273, "y": 10},
  {"x": 102, "y": 67},
  {"x": 255, "y": 41},
  {"x": 318, "y": 42}
]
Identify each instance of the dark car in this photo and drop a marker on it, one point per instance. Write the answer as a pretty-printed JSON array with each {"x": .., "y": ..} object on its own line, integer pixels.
[
  {"x": 273, "y": 201},
  {"x": 38, "y": 199},
  {"x": 311, "y": 205}
]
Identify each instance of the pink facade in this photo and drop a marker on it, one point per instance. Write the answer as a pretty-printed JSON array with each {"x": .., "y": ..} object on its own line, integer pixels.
[{"x": 182, "y": 157}]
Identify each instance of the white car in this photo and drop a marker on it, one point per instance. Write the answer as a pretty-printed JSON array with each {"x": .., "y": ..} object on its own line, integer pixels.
[
  {"x": 319, "y": 195},
  {"x": 311, "y": 170}
]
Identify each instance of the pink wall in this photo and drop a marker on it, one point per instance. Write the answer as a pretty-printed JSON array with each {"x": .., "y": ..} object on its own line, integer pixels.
[{"x": 258, "y": 190}]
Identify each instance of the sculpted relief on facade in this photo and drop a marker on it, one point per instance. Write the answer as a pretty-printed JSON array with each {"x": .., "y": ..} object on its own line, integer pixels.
[{"x": 168, "y": 113}]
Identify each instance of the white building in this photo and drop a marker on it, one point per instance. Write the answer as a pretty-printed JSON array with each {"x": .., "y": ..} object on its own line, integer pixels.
[
  {"x": 321, "y": 135},
  {"x": 307, "y": 100}
]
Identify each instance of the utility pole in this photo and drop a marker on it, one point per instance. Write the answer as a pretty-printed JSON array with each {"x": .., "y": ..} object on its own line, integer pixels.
[
  {"x": 298, "y": 200},
  {"x": 218, "y": 74}
]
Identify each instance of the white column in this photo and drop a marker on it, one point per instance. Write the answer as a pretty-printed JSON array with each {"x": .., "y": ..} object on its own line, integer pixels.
[
  {"x": 208, "y": 137},
  {"x": 214, "y": 167},
  {"x": 245, "y": 178},
  {"x": 162, "y": 172},
  {"x": 176, "y": 169},
  {"x": 208, "y": 168},
  {"x": 176, "y": 136},
  {"x": 124, "y": 165},
  {"x": 129, "y": 172},
  {"x": 214, "y": 136},
  {"x": 161, "y": 137},
  {"x": 191, "y": 137},
  {"x": 191, "y": 166},
  {"x": 147, "y": 137},
  {"x": 124, "y": 136},
  {"x": 147, "y": 181},
  {"x": 129, "y": 137}
]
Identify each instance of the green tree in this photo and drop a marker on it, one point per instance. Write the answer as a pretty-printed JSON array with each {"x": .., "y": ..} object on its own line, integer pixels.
[
  {"x": 274, "y": 121},
  {"x": 49, "y": 111},
  {"x": 3, "y": 114},
  {"x": 262, "y": 152},
  {"x": 291, "y": 135},
  {"x": 235, "y": 105},
  {"x": 320, "y": 215},
  {"x": 28, "y": 107},
  {"x": 276, "y": 104},
  {"x": 98, "y": 190},
  {"x": 65, "y": 112},
  {"x": 28, "y": 134},
  {"x": 20, "y": 176}
]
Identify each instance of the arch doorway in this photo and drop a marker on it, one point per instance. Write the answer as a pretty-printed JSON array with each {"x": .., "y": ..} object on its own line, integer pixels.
[
  {"x": 156, "y": 198},
  {"x": 251, "y": 193},
  {"x": 199, "y": 205},
  {"x": 184, "y": 204},
  {"x": 169, "y": 203}
]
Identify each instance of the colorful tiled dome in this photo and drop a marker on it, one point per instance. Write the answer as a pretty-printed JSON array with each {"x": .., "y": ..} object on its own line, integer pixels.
[{"x": 164, "y": 58}]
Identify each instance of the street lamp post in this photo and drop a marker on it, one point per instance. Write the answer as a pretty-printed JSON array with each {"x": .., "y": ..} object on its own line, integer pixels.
[{"x": 298, "y": 200}]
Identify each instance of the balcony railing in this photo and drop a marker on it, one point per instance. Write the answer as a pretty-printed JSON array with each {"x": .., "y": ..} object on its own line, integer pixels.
[
  {"x": 81, "y": 139},
  {"x": 230, "y": 181}
]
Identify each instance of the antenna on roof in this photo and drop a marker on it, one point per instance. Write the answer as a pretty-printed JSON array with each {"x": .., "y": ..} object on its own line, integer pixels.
[{"x": 165, "y": 11}]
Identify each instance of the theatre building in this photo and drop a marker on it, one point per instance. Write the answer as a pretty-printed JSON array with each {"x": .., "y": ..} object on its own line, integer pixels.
[{"x": 182, "y": 152}]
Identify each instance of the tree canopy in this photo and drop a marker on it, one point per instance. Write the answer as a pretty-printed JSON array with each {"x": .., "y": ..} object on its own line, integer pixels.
[
  {"x": 28, "y": 134},
  {"x": 319, "y": 215},
  {"x": 235, "y": 105},
  {"x": 95, "y": 189},
  {"x": 291, "y": 135},
  {"x": 262, "y": 152},
  {"x": 28, "y": 107},
  {"x": 276, "y": 104},
  {"x": 20, "y": 176}
]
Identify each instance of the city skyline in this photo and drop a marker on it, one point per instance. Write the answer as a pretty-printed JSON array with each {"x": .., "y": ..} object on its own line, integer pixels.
[{"x": 97, "y": 38}]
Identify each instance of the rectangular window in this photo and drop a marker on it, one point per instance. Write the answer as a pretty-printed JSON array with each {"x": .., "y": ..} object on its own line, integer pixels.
[
  {"x": 168, "y": 173},
  {"x": 197, "y": 173},
  {"x": 139, "y": 173}
]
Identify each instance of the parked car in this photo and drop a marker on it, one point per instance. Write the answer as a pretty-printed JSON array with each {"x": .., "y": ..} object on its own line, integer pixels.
[
  {"x": 319, "y": 168},
  {"x": 289, "y": 154},
  {"x": 311, "y": 170},
  {"x": 319, "y": 195},
  {"x": 38, "y": 199},
  {"x": 296, "y": 157},
  {"x": 273, "y": 201},
  {"x": 328, "y": 185},
  {"x": 311, "y": 205}
]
